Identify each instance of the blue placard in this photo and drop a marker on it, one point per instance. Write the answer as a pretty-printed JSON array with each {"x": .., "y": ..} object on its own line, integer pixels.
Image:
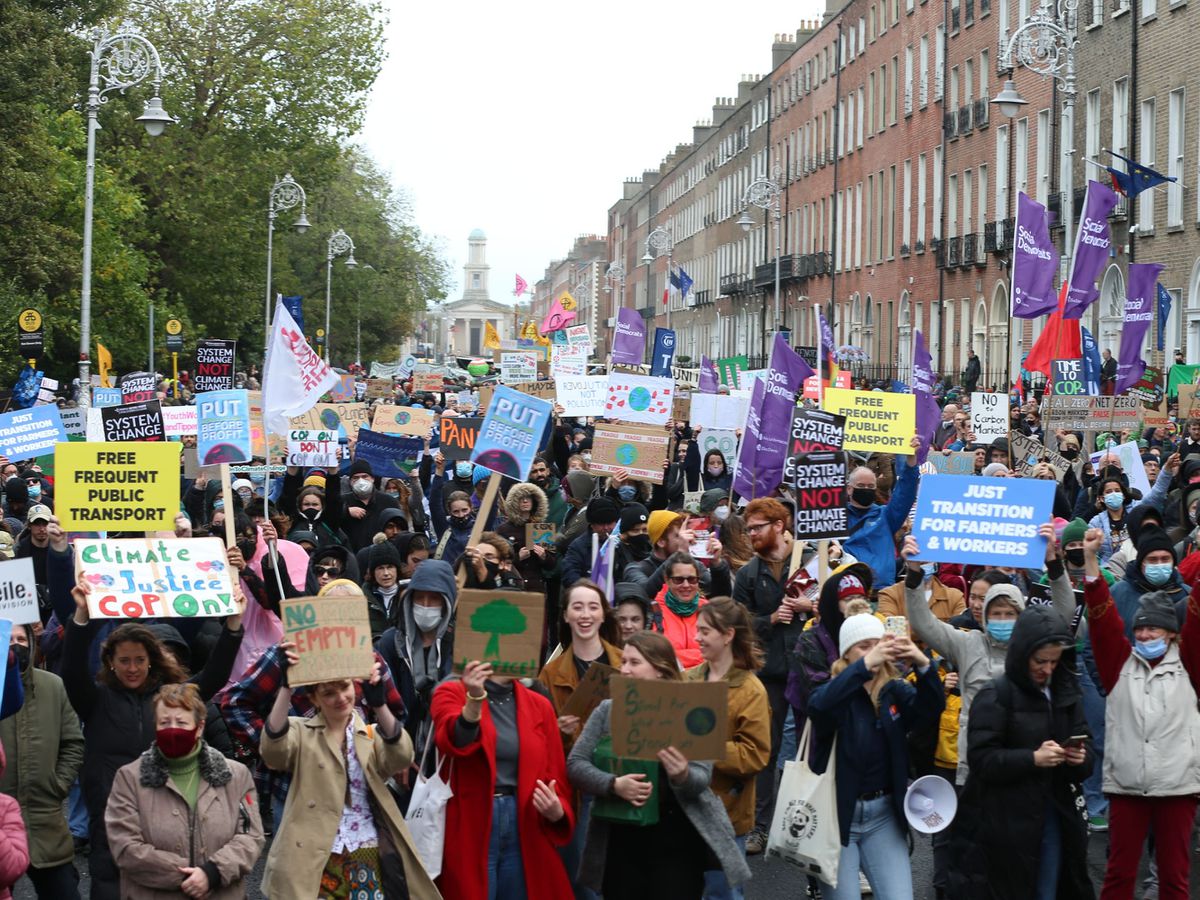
[
  {"x": 222, "y": 427},
  {"x": 390, "y": 455},
  {"x": 511, "y": 433},
  {"x": 664, "y": 353},
  {"x": 31, "y": 432},
  {"x": 6, "y": 628},
  {"x": 106, "y": 397},
  {"x": 983, "y": 521}
]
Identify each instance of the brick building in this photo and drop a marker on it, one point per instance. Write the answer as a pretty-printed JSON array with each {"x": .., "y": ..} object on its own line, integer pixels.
[{"x": 581, "y": 272}]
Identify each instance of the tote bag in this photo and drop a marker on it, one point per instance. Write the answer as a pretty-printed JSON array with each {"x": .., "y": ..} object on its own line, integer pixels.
[
  {"x": 426, "y": 817},
  {"x": 614, "y": 809},
  {"x": 804, "y": 830}
]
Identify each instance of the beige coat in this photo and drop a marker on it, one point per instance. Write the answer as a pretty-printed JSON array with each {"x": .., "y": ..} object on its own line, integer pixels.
[
  {"x": 152, "y": 832},
  {"x": 944, "y": 602},
  {"x": 316, "y": 799}
]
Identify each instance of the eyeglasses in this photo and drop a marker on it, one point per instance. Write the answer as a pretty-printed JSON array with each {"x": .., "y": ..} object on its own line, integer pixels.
[
  {"x": 684, "y": 579},
  {"x": 758, "y": 526},
  {"x": 326, "y": 570}
]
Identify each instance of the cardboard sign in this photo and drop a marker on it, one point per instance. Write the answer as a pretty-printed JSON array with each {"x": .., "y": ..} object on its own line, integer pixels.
[
  {"x": 180, "y": 421},
  {"x": 214, "y": 366},
  {"x": 989, "y": 416},
  {"x": 307, "y": 447},
  {"x": 141, "y": 578},
  {"x": 457, "y": 435},
  {"x": 717, "y": 439},
  {"x": 377, "y": 388},
  {"x": 642, "y": 452},
  {"x": 431, "y": 382},
  {"x": 718, "y": 411},
  {"x": 982, "y": 521},
  {"x": 402, "y": 420},
  {"x": 511, "y": 433},
  {"x": 390, "y": 455},
  {"x": 819, "y": 480},
  {"x": 957, "y": 462},
  {"x": 133, "y": 422},
  {"x": 138, "y": 386},
  {"x": 503, "y": 628},
  {"x": 345, "y": 389},
  {"x": 540, "y": 534},
  {"x": 637, "y": 398},
  {"x": 518, "y": 367},
  {"x": 1067, "y": 377},
  {"x": 27, "y": 433},
  {"x": 582, "y": 395},
  {"x": 18, "y": 592},
  {"x": 74, "y": 422},
  {"x": 1027, "y": 452},
  {"x": 591, "y": 690},
  {"x": 134, "y": 487},
  {"x": 223, "y": 429},
  {"x": 333, "y": 638},
  {"x": 876, "y": 422},
  {"x": 544, "y": 390},
  {"x": 651, "y": 715},
  {"x": 328, "y": 416},
  {"x": 1093, "y": 413}
]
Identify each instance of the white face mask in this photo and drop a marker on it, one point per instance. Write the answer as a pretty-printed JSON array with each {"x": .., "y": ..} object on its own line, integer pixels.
[
  {"x": 361, "y": 487},
  {"x": 721, "y": 513},
  {"x": 428, "y": 618}
]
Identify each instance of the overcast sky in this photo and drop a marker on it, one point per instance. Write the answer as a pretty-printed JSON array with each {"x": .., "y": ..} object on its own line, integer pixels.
[{"x": 524, "y": 119}]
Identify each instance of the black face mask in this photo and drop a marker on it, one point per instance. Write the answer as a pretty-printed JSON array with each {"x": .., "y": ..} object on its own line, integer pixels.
[
  {"x": 639, "y": 546},
  {"x": 493, "y": 570},
  {"x": 311, "y": 514},
  {"x": 1070, "y": 453},
  {"x": 1074, "y": 557},
  {"x": 460, "y": 523},
  {"x": 21, "y": 652},
  {"x": 247, "y": 548},
  {"x": 863, "y": 496}
]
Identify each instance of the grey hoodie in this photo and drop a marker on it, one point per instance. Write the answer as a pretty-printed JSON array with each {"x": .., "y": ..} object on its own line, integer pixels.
[{"x": 430, "y": 575}]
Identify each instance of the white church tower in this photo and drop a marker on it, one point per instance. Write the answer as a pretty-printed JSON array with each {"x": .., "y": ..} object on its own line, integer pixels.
[{"x": 467, "y": 316}]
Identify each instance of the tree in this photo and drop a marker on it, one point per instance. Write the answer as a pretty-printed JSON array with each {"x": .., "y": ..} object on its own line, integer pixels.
[{"x": 496, "y": 618}]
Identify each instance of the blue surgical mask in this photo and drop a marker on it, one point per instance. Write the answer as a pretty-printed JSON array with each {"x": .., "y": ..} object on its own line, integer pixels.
[
  {"x": 35, "y": 491},
  {"x": 257, "y": 477},
  {"x": 463, "y": 469},
  {"x": 626, "y": 492},
  {"x": 928, "y": 570},
  {"x": 1158, "y": 573},
  {"x": 1001, "y": 629},
  {"x": 1115, "y": 500},
  {"x": 1151, "y": 649}
]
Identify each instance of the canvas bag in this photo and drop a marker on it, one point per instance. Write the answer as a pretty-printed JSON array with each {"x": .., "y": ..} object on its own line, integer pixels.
[
  {"x": 426, "y": 817},
  {"x": 614, "y": 809},
  {"x": 804, "y": 830}
]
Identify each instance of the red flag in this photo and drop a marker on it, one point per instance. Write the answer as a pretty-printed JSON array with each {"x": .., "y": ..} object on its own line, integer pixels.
[{"x": 1059, "y": 340}]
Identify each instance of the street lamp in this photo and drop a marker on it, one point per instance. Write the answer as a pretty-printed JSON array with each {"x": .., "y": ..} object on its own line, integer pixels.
[
  {"x": 339, "y": 243},
  {"x": 659, "y": 240},
  {"x": 119, "y": 61},
  {"x": 285, "y": 195},
  {"x": 765, "y": 194}
]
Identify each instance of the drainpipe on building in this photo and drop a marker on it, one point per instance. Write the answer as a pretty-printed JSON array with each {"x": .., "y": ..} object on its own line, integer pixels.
[
  {"x": 833, "y": 243},
  {"x": 942, "y": 213}
]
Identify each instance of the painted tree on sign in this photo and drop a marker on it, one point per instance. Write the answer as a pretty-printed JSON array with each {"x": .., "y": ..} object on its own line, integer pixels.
[{"x": 497, "y": 618}]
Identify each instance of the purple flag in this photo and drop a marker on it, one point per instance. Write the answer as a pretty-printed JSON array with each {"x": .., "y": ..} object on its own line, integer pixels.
[
  {"x": 1035, "y": 262},
  {"x": 629, "y": 343},
  {"x": 760, "y": 463},
  {"x": 1092, "y": 243},
  {"x": 708, "y": 376},
  {"x": 1140, "y": 300},
  {"x": 928, "y": 414}
]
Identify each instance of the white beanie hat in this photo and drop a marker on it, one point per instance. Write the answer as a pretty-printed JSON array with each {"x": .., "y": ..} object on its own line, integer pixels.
[{"x": 863, "y": 627}]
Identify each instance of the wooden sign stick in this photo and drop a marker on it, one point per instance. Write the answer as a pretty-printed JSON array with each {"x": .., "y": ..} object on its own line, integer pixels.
[
  {"x": 227, "y": 498},
  {"x": 485, "y": 507}
]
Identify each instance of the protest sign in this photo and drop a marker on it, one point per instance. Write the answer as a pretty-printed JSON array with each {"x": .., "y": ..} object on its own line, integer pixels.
[
  {"x": 543, "y": 390},
  {"x": 18, "y": 592},
  {"x": 820, "y": 483},
  {"x": 629, "y": 337},
  {"x": 258, "y": 442},
  {"x": 328, "y": 416},
  {"x": 466, "y": 401},
  {"x": 1067, "y": 377},
  {"x": 718, "y": 439},
  {"x": 377, "y": 388},
  {"x": 729, "y": 367},
  {"x": 982, "y": 521},
  {"x": 27, "y": 433},
  {"x": 876, "y": 422},
  {"x": 1088, "y": 413},
  {"x": 74, "y": 422},
  {"x": 518, "y": 367},
  {"x": 140, "y": 578},
  {"x": 958, "y": 462},
  {"x": 133, "y": 422},
  {"x": 428, "y": 381},
  {"x": 456, "y": 436},
  {"x": 138, "y": 386},
  {"x": 214, "y": 366},
  {"x": 312, "y": 447},
  {"x": 1026, "y": 452},
  {"x": 130, "y": 488},
  {"x": 568, "y": 360},
  {"x": 989, "y": 416},
  {"x": 511, "y": 433},
  {"x": 390, "y": 455},
  {"x": 346, "y": 389},
  {"x": 812, "y": 385},
  {"x": 1148, "y": 388},
  {"x": 718, "y": 411},
  {"x": 179, "y": 421},
  {"x": 592, "y": 689},
  {"x": 503, "y": 628},
  {"x": 815, "y": 429},
  {"x": 102, "y": 396},
  {"x": 223, "y": 427},
  {"x": 578, "y": 336},
  {"x": 582, "y": 395},
  {"x": 402, "y": 420},
  {"x": 642, "y": 452},
  {"x": 332, "y": 637},
  {"x": 651, "y": 715},
  {"x": 539, "y": 534},
  {"x": 637, "y": 398},
  {"x": 1131, "y": 464}
]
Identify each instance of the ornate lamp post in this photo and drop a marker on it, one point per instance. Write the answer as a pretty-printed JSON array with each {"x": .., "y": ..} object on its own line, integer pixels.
[
  {"x": 660, "y": 241},
  {"x": 339, "y": 243},
  {"x": 285, "y": 195},
  {"x": 765, "y": 194}
]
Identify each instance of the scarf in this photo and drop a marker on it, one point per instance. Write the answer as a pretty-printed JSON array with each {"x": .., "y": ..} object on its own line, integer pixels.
[{"x": 683, "y": 608}]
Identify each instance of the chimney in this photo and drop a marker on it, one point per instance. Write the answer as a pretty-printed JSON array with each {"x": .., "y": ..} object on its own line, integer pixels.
[{"x": 784, "y": 46}]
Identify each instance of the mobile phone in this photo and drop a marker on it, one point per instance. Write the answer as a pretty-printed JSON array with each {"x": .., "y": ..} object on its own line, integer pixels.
[
  {"x": 1075, "y": 742},
  {"x": 896, "y": 625}
]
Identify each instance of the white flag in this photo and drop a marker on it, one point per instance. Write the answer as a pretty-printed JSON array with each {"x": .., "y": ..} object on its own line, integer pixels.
[{"x": 294, "y": 377}]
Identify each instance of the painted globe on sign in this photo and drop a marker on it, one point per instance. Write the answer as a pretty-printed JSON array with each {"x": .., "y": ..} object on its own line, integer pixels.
[
  {"x": 500, "y": 461},
  {"x": 329, "y": 419},
  {"x": 700, "y": 721},
  {"x": 639, "y": 399},
  {"x": 626, "y": 455},
  {"x": 477, "y": 367},
  {"x": 403, "y": 417}
]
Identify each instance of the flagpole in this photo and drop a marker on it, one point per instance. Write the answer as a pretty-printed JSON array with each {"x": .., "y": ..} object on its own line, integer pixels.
[{"x": 820, "y": 358}]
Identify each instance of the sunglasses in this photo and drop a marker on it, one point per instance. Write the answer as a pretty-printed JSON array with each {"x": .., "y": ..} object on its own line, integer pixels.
[
  {"x": 684, "y": 579},
  {"x": 326, "y": 570}
]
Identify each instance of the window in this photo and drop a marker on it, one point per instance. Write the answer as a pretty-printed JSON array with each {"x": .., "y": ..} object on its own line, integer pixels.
[
  {"x": 982, "y": 182},
  {"x": 871, "y": 104},
  {"x": 968, "y": 82},
  {"x": 1149, "y": 8},
  {"x": 952, "y": 207},
  {"x": 953, "y": 102},
  {"x": 1146, "y": 128},
  {"x": 908, "y": 80},
  {"x": 1120, "y": 121},
  {"x": 968, "y": 200},
  {"x": 939, "y": 57},
  {"x": 906, "y": 222},
  {"x": 862, "y": 33},
  {"x": 1021, "y": 157},
  {"x": 893, "y": 97},
  {"x": 859, "y": 123},
  {"x": 881, "y": 100},
  {"x": 858, "y": 224},
  {"x": 1092, "y": 124},
  {"x": 850, "y": 121},
  {"x": 890, "y": 213},
  {"x": 1175, "y": 113},
  {"x": 921, "y": 198},
  {"x": 475, "y": 280},
  {"x": 841, "y": 131},
  {"x": 871, "y": 25},
  {"x": 984, "y": 92},
  {"x": 1044, "y": 142},
  {"x": 1002, "y": 206},
  {"x": 937, "y": 193},
  {"x": 923, "y": 63},
  {"x": 872, "y": 205}
]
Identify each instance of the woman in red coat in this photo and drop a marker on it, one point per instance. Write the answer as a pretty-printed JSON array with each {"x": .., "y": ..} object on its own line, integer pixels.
[{"x": 512, "y": 806}]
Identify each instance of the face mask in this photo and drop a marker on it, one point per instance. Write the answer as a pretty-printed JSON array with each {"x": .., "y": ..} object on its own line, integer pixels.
[
  {"x": 626, "y": 492},
  {"x": 863, "y": 496},
  {"x": 247, "y": 548},
  {"x": 175, "y": 742},
  {"x": 1075, "y": 557},
  {"x": 639, "y": 546},
  {"x": 927, "y": 570},
  {"x": 395, "y": 495},
  {"x": 21, "y": 652},
  {"x": 463, "y": 470},
  {"x": 1070, "y": 453},
  {"x": 311, "y": 514},
  {"x": 716, "y": 470},
  {"x": 428, "y": 618},
  {"x": 461, "y": 523},
  {"x": 1001, "y": 629},
  {"x": 1158, "y": 573},
  {"x": 1151, "y": 649},
  {"x": 1114, "y": 500},
  {"x": 362, "y": 487},
  {"x": 587, "y": 457},
  {"x": 35, "y": 491},
  {"x": 721, "y": 513},
  {"x": 258, "y": 479}
]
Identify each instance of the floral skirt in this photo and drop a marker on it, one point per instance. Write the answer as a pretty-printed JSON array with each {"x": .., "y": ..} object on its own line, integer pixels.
[{"x": 352, "y": 876}]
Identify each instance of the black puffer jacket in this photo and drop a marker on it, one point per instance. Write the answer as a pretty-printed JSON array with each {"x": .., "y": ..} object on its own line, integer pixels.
[
  {"x": 533, "y": 570},
  {"x": 997, "y": 837}
]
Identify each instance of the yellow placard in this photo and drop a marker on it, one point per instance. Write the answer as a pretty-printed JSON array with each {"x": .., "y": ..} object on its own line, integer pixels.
[
  {"x": 876, "y": 422},
  {"x": 131, "y": 486}
]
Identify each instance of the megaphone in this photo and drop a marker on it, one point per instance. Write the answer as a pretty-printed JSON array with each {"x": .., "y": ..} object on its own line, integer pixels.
[{"x": 930, "y": 804}]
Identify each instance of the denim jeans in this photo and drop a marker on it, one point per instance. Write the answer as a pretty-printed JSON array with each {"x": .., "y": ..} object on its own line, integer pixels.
[
  {"x": 1051, "y": 855},
  {"x": 77, "y": 812},
  {"x": 1093, "y": 711},
  {"x": 506, "y": 872},
  {"x": 879, "y": 848},
  {"x": 717, "y": 886},
  {"x": 572, "y": 853},
  {"x": 787, "y": 749}
]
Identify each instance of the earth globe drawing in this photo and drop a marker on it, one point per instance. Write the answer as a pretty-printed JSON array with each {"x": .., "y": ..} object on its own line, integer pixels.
[
  {"x": 403, "y": 417},
  {"x": 329, "y": 419},
  {"x": 700, "y": 721},
  {"x": 499, "y": 461},
  {"x": 626, "y": 455},
  {"x": 639, "y": 399}
]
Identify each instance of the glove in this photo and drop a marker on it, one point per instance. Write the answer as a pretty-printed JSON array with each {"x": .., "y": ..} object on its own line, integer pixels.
[{"x": 373, "y": 694}]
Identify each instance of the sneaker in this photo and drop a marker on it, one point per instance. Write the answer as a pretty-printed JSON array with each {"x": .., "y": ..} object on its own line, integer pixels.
[
  {"x": 864, "y": 886},
  {"x": 1097, "y": 824},
  {"x": 756, "y": 843}
]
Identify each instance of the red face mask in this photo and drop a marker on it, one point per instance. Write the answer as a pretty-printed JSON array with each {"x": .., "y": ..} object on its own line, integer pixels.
[{"x": 175, "y": 742}]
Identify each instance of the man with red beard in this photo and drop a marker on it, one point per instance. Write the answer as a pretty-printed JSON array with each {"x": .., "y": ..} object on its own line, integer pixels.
[{"x": 778, "y": 620}]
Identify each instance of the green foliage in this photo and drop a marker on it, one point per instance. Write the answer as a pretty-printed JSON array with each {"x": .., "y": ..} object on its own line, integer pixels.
[{"x": 496, "y": 618}]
